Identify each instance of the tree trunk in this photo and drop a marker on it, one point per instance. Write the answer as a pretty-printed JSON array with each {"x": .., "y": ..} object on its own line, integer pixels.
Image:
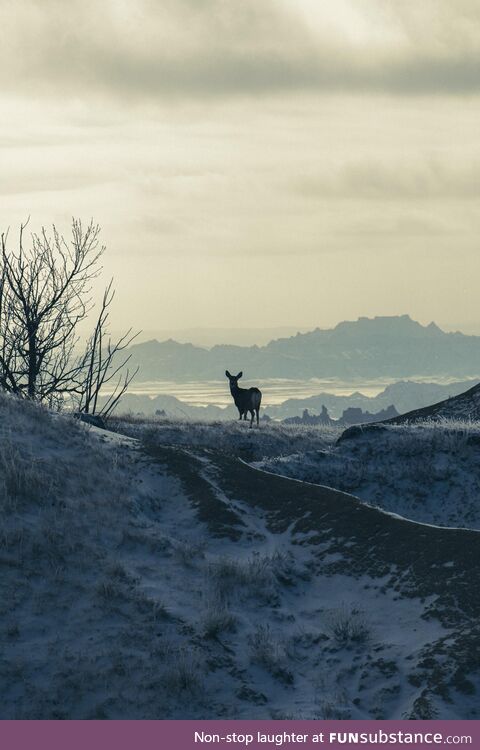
[{"x": 32, "y": 365}]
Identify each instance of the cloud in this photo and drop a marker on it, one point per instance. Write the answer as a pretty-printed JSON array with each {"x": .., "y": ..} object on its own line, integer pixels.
[
  {"x": 394, "y": 180},
  {"x": 149, "y": 50}
]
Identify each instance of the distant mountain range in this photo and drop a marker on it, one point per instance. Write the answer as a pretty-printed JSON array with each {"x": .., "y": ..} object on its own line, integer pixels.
[
  {"x": 397, "y": 347},
  {"x": 404, "y": 395},
  {"x": 207, "y": 337}
]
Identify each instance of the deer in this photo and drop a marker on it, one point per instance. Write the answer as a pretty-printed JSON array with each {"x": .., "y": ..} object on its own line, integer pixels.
[{"x": 246, "y": 399}]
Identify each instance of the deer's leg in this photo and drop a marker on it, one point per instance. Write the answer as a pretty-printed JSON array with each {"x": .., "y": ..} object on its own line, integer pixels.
[
  {"x": 257, "y": 415},
  {"x": 251, "y": 418},
  {"x": 239, "y": 414}
]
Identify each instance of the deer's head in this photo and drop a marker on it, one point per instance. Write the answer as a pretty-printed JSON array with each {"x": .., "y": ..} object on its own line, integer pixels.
[{"x": 233, "y": 379}]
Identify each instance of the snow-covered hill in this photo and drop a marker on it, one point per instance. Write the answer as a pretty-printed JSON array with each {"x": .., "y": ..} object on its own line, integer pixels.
[
  {"x": 465, "y": 405},
  {"x": 148, "y": 580},
  {"x": 428, "y": 471}
]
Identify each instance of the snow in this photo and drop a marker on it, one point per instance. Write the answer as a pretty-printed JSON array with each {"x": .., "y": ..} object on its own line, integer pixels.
[{"x": 119, "y": 602}]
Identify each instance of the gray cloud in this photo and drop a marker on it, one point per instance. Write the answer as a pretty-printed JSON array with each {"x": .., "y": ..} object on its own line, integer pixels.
[
  {"x": 373, "y": 180},
  {"x": 141, "y": 49}
]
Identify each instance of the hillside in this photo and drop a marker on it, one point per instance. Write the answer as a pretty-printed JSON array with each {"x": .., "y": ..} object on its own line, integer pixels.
[
  {"x": 428, "y": 472},
  {"x": 423, "y": 464},
  {"x": 465, "y": 406},
  {"x": 367, "y": 348},
  {"x": 147, "y": 579}
]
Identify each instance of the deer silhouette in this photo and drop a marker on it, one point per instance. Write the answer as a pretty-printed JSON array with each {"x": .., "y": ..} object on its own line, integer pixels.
[{"x": 246, "y": 399}]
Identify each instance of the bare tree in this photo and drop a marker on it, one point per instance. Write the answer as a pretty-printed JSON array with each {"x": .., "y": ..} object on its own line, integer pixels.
[
  {"x": 104, "y": 364},
  {"x": 9, "y": 340},
  {"x": 45, "y": 292}
]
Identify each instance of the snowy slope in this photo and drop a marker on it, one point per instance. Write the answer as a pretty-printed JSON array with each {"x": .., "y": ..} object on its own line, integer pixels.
[
  {"x": 465, "y": 406},
  {"x": 428, "y": 471},
  {"x": 153, "y": 581}
]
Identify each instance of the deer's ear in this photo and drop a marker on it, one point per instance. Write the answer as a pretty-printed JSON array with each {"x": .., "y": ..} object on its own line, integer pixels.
[
  {"x": 227, "y": 374},
  {"x": 239, "y": 375}
]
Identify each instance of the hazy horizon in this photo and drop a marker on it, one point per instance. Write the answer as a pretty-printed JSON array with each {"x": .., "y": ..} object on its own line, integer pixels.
[{"x": 253, "y": 163}]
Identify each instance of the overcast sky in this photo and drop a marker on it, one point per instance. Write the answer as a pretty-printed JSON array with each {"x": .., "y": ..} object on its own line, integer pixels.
[{"x": 253, "y": 162}]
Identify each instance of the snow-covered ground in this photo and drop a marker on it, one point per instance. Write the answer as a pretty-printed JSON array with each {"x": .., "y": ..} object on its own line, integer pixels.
[
  {"x": 428, "y": 472},
  {"x": 140, "y": 581}
]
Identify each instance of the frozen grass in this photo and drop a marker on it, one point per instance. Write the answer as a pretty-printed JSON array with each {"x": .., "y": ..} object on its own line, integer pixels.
[
  {"x": 347, "y": 625},
  {"x": 269, "y": 439},
  {"x": 217, "y": 618},
  {"x": 188, "y": 552},
  {"x": 184, "y": 672},
  {"x": 258, "y": 576},
  {"x": 449, "y": 435},
  {"x": 24, "y": 478},
  {"x": 265, "y": 649},
  {"x": 229, "y": 577},
  {"x": 331, "y": 710},
  {"x": 268, "y": 652}
]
